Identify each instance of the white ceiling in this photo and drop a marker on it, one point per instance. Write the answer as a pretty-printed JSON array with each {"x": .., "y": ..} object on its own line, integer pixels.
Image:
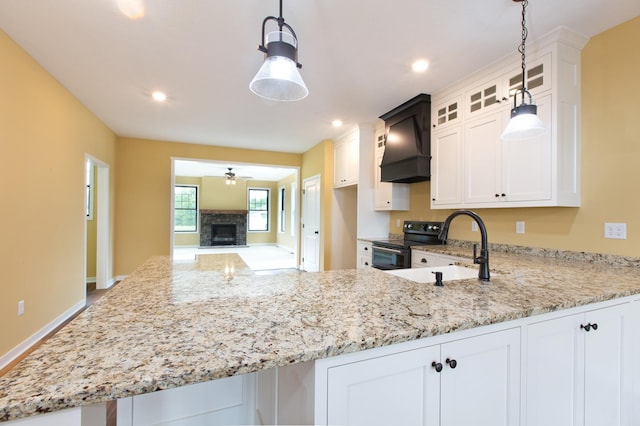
[
  {"x": 242, "y": 171},
  {"x": 356, "y": 57}
]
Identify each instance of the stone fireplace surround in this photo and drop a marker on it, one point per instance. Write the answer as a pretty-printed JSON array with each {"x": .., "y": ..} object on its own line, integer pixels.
[{"x": 222, "y": 217}]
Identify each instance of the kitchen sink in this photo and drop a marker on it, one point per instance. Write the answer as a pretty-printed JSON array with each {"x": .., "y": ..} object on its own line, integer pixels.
[{"x": 427, "y": 275}]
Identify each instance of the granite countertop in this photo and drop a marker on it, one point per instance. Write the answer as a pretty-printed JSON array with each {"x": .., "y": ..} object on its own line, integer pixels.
[{"x": 172, "y": 323}]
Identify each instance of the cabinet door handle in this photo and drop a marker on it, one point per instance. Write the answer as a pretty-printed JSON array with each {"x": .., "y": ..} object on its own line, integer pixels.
[
  {"x": 594, "y": 326},
  {"x": 423, "y": 260},
  {"x": 366, "y": 249},
  {"x": 589, "y": 326},
  {"x": 437, "y": 366},
  {"x": 366, "y": 263},
  {"x": 451, "y": 363}
]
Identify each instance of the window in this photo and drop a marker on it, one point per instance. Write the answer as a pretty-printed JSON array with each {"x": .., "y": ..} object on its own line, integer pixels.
[
  {"x": 281, "y": 209},
  {"x": 258, "y": 209},
  {"x": 186, "y": 209}
]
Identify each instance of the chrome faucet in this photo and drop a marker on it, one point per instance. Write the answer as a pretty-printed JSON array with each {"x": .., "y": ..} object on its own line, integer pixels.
[{"x": 483, "y": 259}]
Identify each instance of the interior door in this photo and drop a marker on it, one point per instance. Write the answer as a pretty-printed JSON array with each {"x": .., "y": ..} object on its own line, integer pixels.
[{"x": 311, "y": 224}]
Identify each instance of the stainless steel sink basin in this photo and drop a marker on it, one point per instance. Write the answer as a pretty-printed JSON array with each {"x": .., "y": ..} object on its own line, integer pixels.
[{"x": 427, "y": 275}]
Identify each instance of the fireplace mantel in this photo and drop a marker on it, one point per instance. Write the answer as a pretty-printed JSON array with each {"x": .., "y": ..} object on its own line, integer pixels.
[{"x": 203, "y": 211}]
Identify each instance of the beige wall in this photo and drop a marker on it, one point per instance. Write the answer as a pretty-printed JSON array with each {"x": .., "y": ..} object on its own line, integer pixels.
[
  {"x": 609, "y": 165},
  {"x": 215, "y": 194},
  {"x": 143, "y": 199},
  {"x": 45, "y": 133},
  {"x": 319, "y": 161}
]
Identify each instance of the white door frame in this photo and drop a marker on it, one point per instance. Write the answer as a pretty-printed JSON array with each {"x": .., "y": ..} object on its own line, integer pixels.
[
  {"x": 297, "y": 236},
  {"x": 305, "y": 221},
  {"x": 104, "y": 261}
]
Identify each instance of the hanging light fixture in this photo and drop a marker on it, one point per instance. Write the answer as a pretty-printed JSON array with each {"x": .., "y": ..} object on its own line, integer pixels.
[
  {"x": 230, "y": 177},
  {"x": 278, "y": 78},
  {"x": 524, "y": 123}
]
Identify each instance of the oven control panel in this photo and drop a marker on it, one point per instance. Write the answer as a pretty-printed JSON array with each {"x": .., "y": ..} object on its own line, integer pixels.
[{"x": 423, "y": 228}]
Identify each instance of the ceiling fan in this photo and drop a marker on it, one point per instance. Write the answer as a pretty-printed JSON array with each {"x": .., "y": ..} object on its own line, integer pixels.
[{"x": 230, "y": 177}]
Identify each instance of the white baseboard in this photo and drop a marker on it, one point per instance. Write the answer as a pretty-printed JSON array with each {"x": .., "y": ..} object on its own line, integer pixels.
[
  {"x": 26, "y": 344},
  {"x": 90, "y": 280}
]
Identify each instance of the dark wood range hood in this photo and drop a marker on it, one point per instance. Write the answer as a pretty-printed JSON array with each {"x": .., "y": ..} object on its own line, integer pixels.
[{"x": 407, "y": 154}]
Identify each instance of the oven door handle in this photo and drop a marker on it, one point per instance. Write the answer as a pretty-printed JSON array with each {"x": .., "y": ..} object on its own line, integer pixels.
[{"x": 387, "y": 250}]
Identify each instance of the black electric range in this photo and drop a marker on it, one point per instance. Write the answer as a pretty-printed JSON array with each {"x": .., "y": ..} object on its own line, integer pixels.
[{"x": 396, "y": 254}]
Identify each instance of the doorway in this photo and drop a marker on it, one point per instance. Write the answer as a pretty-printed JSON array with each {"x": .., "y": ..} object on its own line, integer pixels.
[
  {"x": 223, "y": 187},
  {"x": 97, "y": 237}
]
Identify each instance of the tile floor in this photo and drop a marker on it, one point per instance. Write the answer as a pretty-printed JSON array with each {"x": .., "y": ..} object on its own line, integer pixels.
[{"x": 257, "y": 257}]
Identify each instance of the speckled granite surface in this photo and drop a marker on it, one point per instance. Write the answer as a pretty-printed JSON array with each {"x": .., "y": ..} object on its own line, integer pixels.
[{"x": 170, "y": 324}]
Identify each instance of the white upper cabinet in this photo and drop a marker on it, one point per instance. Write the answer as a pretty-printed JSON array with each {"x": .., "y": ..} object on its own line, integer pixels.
[
  {"x": 473, "y": 168},
  {"x": 388, "y": 196},
  {"x": 506, "y": 172},
  {"x": 446, "y": 163},
  {"x": 345, "y": 160},
  {"x": 446, "y": 113}
]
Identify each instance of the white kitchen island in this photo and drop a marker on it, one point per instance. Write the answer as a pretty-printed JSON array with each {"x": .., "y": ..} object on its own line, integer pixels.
[{"x": 174, "y": 324}]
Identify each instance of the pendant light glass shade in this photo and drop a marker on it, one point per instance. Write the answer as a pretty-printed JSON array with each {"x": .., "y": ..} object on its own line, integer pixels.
[
  {"x": 524, "y": 124},
  {"x": 278, "y": 78}
]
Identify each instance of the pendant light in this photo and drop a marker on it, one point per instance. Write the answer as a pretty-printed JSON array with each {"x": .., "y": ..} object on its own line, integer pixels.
[
  {"x": 278, "y": 78},
  {"x": 524, "y": 123}
]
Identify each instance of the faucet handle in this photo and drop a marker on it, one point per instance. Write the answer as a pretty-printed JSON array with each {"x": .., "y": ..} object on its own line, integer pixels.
[{"x": 475, "y": 253}]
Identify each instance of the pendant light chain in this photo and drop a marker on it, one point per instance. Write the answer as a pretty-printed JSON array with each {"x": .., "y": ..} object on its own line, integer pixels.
[{"x": 522, "y": 47}]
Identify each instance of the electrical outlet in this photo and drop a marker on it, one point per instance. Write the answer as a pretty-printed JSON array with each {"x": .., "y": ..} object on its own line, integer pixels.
[
  {"x": 617, "y": 231},
  {"x": 519, "y": 227},
  {"x": 397, "y": 223},
  {"x": 21, "y": 307},
  {"x": 474, "y": 226}
]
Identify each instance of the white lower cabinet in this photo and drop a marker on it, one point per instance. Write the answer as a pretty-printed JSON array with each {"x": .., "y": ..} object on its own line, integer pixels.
[
  {"x": 635, "y": 367},
  {"x": 426, "y": 259},
  {"x": 469, "y": 381},
  {"x": 230, "y": 400},
  {"x": 398, "y": 389},
  {"x": 579, "y": 369},
  {"x": 364, "y": 254}
]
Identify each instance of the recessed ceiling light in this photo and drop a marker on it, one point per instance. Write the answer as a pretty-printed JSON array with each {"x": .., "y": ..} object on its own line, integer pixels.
[
  {"x": 132, "y": 9},
  {"x": 159, "y": 96},
  {"x": 420, "y": 65},
  {"x": 336, "y": 123}
]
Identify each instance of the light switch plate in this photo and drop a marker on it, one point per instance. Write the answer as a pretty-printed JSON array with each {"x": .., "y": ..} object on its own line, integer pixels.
[
  {"x": 616, "y": 231},
  {"x": 474, "y": 227},
  {"x": 519, "y": 227},
  {"x": 21, "y": 307}
]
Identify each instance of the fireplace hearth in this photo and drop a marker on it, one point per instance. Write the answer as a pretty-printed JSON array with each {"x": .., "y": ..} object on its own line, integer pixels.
[{"x": 223, "y": 228}]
